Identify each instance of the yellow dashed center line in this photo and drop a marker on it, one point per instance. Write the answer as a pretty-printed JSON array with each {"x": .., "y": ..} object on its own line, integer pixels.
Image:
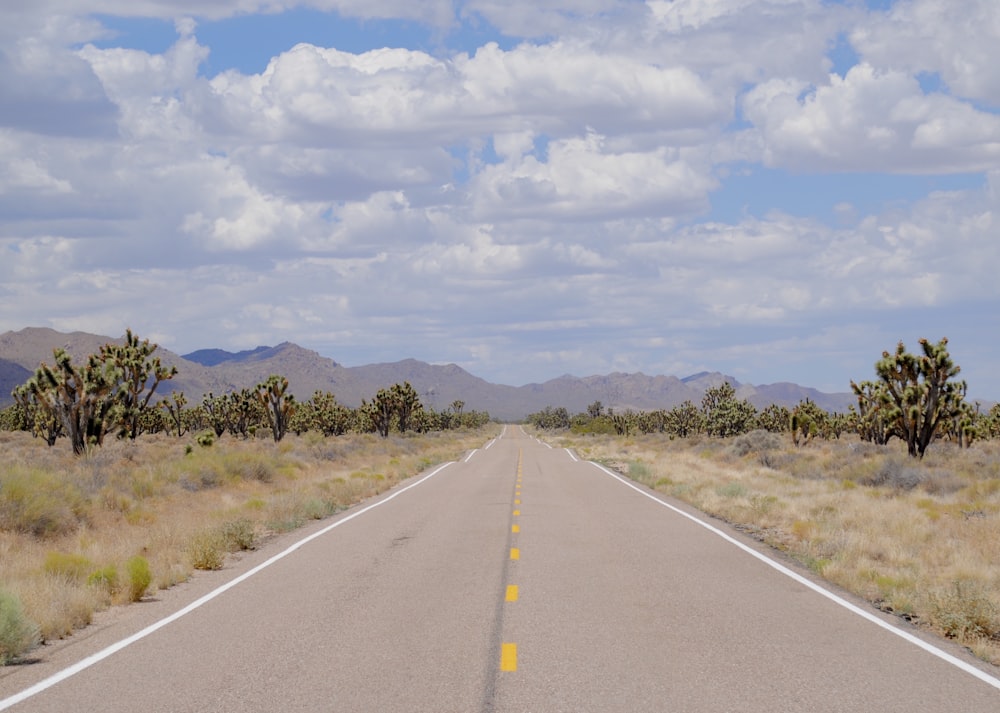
[
  {"x": 508, "y": 657},
  {"x": 508, "y": 651}
]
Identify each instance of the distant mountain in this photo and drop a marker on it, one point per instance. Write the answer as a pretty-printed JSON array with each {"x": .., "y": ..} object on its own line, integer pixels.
[
  {"x": 214, "y": 357},
  {"x": 219, "y": 371},
  {"x": 12, "y": 375}
]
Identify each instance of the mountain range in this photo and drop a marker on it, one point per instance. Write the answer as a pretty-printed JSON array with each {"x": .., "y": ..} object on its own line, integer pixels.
[{"x": 218, "y": 371}]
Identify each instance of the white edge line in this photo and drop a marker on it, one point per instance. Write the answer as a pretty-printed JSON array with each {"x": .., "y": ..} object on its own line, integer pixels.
[
  {"x": 115, "y": 648},
  {"x": 930, "y": 648},
  {"x": 469, "y": 457},
  {"x": 575, "y": 459}
]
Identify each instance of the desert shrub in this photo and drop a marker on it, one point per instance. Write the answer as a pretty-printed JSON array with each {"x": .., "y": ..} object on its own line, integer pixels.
[
  {"x": 105, "y": 578},
  {"x": 250, "y": 466},
  {"x": 966, "y": 611},
  {"x": 65, "y": 564},
  {"x": 293, "y": 510},
  {"x": 942, "y": 482},
  {"x": 207, "y": 550},
  {"x": 17, "y": 633},
  {"x": 139, "y": 577},
  {"x": 759, "y": 442},
  {"x": 317, "y": 509},
  {"x": 239, "y": 534},
  {"x": 637, "y": 470},
  {"x": 39, "y": 503},
  {"x": 731, "y": 490},
  {"x": 203, "y": 476},
  {"x": 897, "y": 474}
]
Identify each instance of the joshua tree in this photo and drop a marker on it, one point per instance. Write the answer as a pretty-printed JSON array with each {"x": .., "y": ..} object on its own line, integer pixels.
[
  {"x": 684, "y": 420},
  {"x": 216, "y": 408},
  {"x": 380, "y": 411},
  {"x": 870, "y": 416},
  {"x": 139, "y": 373},
  {"x": 407, "y": 403},
  {"x": 774, "y": 418},
  {"x": 920, "y": 392},
  {"x": 324, "y": 414},
  {"x": 807, "y": 421},
  {"x": 625, "y": 423},
  {"x": 175, "y": 409},
  {"x": 724, "y": 415},
  {"x": 35, "y": 417},
  {"x": 81, "y": 398},
  {"x": 278, "y": 404}
]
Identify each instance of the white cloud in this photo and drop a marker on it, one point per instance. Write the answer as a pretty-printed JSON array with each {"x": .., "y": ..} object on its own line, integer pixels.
[
  {"x": 544, "y": 205},
  {"x": 871, "y": 120},
  {"x": 956, "y": 41},
  {"x": 541, "y": 18},
  {"x": 735, "y": 42},
  {"x": 580, "y": 180},
  {"x": 386, "y": 97}
]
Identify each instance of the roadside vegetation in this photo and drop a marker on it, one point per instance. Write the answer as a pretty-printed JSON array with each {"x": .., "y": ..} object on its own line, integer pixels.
[
  {"x": 79, "y": 534},
  {"x": 897, "y": 501},
  {"x": 110, "y": 491}
]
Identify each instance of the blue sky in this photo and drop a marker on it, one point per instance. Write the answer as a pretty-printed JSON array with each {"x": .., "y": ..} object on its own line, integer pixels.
[{"x": 775, "y": 189}]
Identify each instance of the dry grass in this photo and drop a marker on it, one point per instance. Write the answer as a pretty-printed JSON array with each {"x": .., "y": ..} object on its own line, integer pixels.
[
  {"x": 81, "y": 534},
  {"x": 919, "y": 539}
]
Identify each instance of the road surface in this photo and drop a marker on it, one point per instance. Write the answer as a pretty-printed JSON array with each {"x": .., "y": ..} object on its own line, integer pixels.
[{"x": 520, "y": 579}]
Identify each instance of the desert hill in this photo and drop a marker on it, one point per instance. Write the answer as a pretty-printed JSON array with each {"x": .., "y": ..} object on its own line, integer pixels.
[{"x": 219, "y": 371}]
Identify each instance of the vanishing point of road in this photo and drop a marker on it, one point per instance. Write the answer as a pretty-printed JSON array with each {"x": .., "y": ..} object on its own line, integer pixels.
[{"x": 518, "y": 579}]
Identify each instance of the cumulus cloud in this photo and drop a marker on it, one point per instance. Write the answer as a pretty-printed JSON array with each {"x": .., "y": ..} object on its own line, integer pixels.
[
  {"x": 924, "y": 36},
  {"x": 543, "y": 203},
  {"x": 386, "y": 97},
  {"x": 580, "y": 179},
  {"x": 871, "y": 120}
]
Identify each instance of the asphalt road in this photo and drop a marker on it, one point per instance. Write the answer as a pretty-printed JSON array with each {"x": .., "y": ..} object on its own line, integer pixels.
[{"x": 519, "y": 579}]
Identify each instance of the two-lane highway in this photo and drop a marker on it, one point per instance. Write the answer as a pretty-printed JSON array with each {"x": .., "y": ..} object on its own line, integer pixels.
[
  {"x": 519, "y": 579},
  {"x": 627, "y": 605}
]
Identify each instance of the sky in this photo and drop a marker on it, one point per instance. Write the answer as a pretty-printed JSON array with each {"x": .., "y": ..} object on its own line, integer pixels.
[{"x": 775, "y": 189}]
